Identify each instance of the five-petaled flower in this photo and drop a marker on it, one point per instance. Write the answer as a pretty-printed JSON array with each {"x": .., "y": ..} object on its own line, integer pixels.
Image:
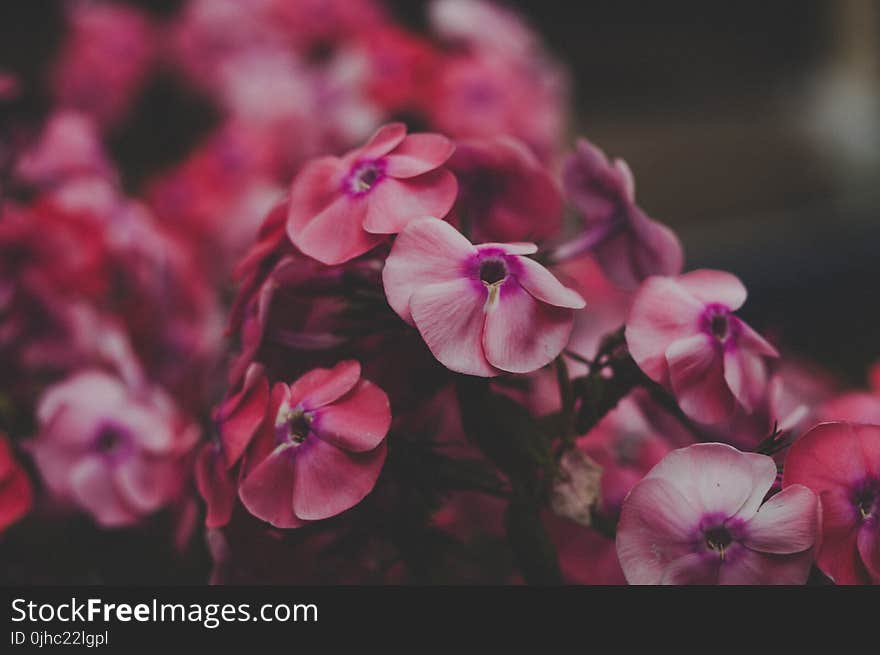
[
  {"x": 482, "y": 310},
  {"x": 698, "y": 518}
]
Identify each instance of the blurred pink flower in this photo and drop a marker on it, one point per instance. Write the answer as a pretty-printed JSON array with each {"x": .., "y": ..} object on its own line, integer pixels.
[
  {"x": 683, "y": 334},
  {"x": 628, "y": 245},
  {"x": 116, "y": 452},
  {"x": 482, "y": 310},
  {"x": 16, "y": 492},
  {"x": 840, "y": 462},
  {"x": 104, "y": 60},
  {"x": 698, "y": 518},
  {"x": 343, "y": 207},
  {"x": 505, "y": 192}
]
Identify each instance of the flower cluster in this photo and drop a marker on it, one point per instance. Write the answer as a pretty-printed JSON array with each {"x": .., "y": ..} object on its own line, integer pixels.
[{"x": 455, "y": 349}]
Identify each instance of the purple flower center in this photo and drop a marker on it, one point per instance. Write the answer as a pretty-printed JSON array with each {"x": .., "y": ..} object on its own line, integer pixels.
[
  {"x": 866, "y": 498},
  {"x": 364, "y": 176},
  {"x": 493, "y": 270},
  {"x": 718, "y": 534},
  {"x": 112, "y": 441},
  {"x": 719, "y": 323},
  {"x": 293, "y": 425}
]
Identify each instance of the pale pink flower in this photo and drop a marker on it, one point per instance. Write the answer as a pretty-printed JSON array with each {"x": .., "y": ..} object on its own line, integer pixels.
[
  {"x": 683, "y": 334},
  {"x": 343, "y": 207},
  {"x": 482, "y": 310},
  {"x": 115, "y": 452},
  {"x": 698, "y": 518}
]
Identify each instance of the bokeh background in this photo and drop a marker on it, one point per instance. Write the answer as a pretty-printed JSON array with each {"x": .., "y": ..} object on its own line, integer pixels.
[{"x": 753, "y": 129}]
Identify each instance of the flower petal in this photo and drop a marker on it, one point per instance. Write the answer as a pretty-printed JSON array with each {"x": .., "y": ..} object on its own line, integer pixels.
[
  {"x": 692, "y": 569},
  {"x": 16, "y": 497},
  {"x": 696, "y": 374},
  {"x": 358, "y": 421},
  {"x": 313, "y": 189},
  {"x": 417, "y": 154},
  {"x": 336, "y": 235},
  {"x": 321, "y": 386},
  {"x": 450, "y": 317},
  {"x": 544, "y": 286},
  {"x": 661, "y": 313},
  {"x": 655, "y": 529},
  {"x": 787, "y": 523},
  {"x": 523, "y": 334},
  {"x": 517, "y": 248},
  {"x": 93, "y": 488},
  {"x": 240, "y": 416},
  {"x": 383, "y": 141},
  {"x": 746, "y": 377},
  {"x": 329, "y": 481},
  {"x": 428, "y": 251},
  {"x": 868, "y": 543},
  {"x": 753, "y": 568},
  {"x": 710, "y": 286},
  {"x": 267, "y": 491},
  {"x": 394, "y": 203},
  {"x": 216, "y": 485}
]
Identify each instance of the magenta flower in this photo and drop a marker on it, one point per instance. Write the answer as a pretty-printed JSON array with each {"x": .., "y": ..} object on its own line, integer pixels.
[
  {"x": 840, "y": 462},
  {"x": 683, "y": 334},
  {"x": 318, "y": 450},
  {"x": 698, "y": 518},
  {"x": 506, "y": 193},
  {"x": 116, "y": 452},
  {"x": 342, "y": 207},
  {"x": 482, "y": 310},
  {"x": 628, "y": 245}
]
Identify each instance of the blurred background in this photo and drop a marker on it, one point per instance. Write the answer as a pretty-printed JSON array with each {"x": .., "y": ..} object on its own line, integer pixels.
[{"x": 753, "y": 129}]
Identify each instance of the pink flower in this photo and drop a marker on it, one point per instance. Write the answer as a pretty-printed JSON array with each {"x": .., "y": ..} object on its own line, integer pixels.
[
  {"x": 308, "y": 451},
  {"x": 506, "y": 193},
  {"x": 117, "y": 453},
  {"x": 628, "y": 245},
  {"x": 840, "y": 462},
  {"x": 682, "y": 333},
  {"x": 16, "y": 494},
  {"x": 481, "y": 309},
  {"x": 697, "y": 518},
  {"x": 343, "y": 207}
]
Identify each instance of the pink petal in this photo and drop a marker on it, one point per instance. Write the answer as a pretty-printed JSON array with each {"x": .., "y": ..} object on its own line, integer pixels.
[
  {"x": 787, "y": 523},
  {"x": 746, "y": 377},
  {"x": 240, "y": 416},
  {"x": 93, "y": 488},
  {"x": 662, "y": 312},
  {"x": 329, "y": 481},
  {"x": 692, "y": 569},
  {"x": 655, "y": 529},
  {"x": 383, "y": 141},
  {"x": 322, "y": 386},
  {"x": 336, "y": 234},
  {"x": 839, "y": 556},
  {"x": 450, "y": 317},
  {"x": 544, "y": 286},
  {"x": 754, "y": 342},
  {"x": 216, "y": 485},
  {"x": 752, "y": 568},
  {"x": 356, "y": 422},
  {"x": 717, "y": 478},
  {"x": 267, "y": 491},
  {"x": 828, "y": 457},
  {"x": 313, "y": 189},
  {"x": 869, "y": 549},
  {"x": 394, "y": 203},
  {"x": 417, "y": 154},
  {"x": 522, "y": 334},
  {"x": 696, "y": 374},
  {"x": 715, "y": 287},
  {"x": 518, "y": 248},
  {"x": 428, "y": 251},
  {"x": 143, "y": 484}
]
